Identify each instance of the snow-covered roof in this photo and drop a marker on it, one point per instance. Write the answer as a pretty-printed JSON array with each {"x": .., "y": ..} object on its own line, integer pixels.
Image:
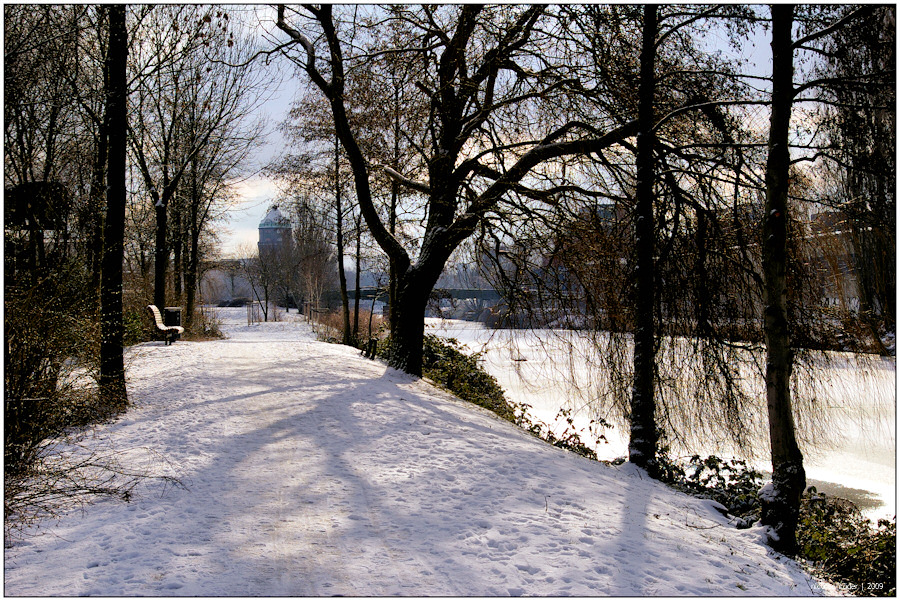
[{"x": 275, "y": 218}]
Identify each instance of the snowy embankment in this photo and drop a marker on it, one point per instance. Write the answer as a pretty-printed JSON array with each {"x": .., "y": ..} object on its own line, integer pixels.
[
  {"x": 850, "y": 453},
  {"x": 309, "y": 470}
]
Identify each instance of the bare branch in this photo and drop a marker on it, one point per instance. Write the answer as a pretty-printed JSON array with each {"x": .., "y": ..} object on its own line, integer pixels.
[
  {"x": 405, "y": 181},
  {"x": 861, "y": 79},
  {"x": 296, "y": 36},
  {"x": 702, "y": 105},
  {"x": 545, "y": 151},
  {"x": 863, "y": 11}
]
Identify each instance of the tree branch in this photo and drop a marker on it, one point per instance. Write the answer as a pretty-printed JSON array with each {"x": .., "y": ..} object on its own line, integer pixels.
[
  {"x": 861, "y": 79},
  {"x": 702, "y": 105},
  {"x": 296, "y": 36},
  {"x": 546, "y": 150},
  {"x": 863, "y": 11},
  {"x": 333, "y": 91},
  {"x": 403, "y": 180}
]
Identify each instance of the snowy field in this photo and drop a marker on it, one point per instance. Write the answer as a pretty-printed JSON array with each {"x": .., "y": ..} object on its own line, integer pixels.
[
  {"x": 309, "y": 470},
  {"x": 855, "y": 459}
]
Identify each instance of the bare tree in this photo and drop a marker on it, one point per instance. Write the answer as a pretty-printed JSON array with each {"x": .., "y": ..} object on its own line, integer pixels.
[
  {"x": 859, "y": 85},
  {"x": 112, "y": 361},
  {"x": 261, "y": 271},
  {"x": 223, "y": 158},
  {"x": 314, "y": 248},
  {"x": 191, "y": 103},
  {"x": 780, "y": 508},
  {"x": 318, "y": 158},
  {"x": 158, "y": 112},
  {"x": 642, "y": 446},
  {"x": 639, "y": 245},
  {"x": 464, "y": 90},
  {"x": 781, "y": 500}
]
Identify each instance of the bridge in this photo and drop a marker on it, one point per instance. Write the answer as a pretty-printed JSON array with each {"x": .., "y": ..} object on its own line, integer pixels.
[{"x": 484, "y": 294}]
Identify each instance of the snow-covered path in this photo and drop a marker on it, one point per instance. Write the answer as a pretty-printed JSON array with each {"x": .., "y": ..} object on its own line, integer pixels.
[{"x": 309, "y": 470}]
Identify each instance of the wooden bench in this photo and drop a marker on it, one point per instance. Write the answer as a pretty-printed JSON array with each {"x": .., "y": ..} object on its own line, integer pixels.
[{"x": 170, "y": 333}]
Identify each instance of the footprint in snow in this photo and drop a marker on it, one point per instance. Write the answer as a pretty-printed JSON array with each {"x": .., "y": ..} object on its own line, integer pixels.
[{"x": 529, "y": 569}]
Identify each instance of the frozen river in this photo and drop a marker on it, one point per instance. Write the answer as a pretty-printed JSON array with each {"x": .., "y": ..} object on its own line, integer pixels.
[{"x": 855, "y": 458}]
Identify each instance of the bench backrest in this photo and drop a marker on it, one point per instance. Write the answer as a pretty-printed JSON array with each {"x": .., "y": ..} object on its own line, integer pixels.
[{"x": 157, "y": 316}]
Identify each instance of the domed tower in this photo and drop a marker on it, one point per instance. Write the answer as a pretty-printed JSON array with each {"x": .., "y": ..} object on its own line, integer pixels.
[{"x": 274, "y": 232}]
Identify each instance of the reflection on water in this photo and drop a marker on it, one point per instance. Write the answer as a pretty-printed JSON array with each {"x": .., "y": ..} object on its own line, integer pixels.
[{"x": 849, "y": 450}]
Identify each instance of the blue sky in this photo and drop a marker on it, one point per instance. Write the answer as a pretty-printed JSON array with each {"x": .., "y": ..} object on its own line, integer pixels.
[{"x": 256, "y": 194}]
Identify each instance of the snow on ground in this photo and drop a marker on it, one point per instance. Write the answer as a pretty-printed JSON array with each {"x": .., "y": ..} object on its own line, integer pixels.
[{"x": 309, "y": 470}]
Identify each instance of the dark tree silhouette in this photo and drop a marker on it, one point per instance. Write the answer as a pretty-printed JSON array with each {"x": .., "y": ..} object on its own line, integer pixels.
[{"x": 112, "y": 367}]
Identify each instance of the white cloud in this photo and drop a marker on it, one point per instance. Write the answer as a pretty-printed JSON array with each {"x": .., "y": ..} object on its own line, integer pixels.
[
  {"x": 255, "y": 190},
  {"x": 253, "y": 197}
]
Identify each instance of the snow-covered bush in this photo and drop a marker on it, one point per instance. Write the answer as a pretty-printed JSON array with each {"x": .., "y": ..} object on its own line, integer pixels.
[{"x": 569, "y": 439}]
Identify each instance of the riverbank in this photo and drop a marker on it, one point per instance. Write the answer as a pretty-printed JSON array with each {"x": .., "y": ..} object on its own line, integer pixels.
[{"x": 857, "y": 461}]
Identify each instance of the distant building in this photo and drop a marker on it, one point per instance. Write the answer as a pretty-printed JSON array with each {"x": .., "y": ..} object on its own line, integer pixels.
[
  {"x": 274, "y": 232},
  {"x": 225, "y": 282}
]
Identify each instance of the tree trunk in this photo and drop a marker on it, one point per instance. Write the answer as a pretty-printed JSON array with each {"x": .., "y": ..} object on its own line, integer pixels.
[
  {"x": 704, "y": 301},
  {"x": 112, "y": 366},
  {"x": 193, "y": 251},
  {"x": 97, "y": 197},
  {"x": 358, "y": 269},
  {"x": 780, "y": 502},
  {"x": 342, "y": 276},
  {"x": 160, "y": 256},
  {"x": 190, "y": 279},
  {"x": 408, "y": 328},
  {"x": 178, "y": 250},
  {"x": 392, "y": 216},
  {"x": 642, "y": 445}
]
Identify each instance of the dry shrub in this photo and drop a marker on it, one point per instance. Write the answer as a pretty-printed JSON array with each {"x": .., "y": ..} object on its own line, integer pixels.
[
  {"x": 206, "y": 325},
  {"x": 329, "y": 325},
  {"x": 51, "y": 396}
]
